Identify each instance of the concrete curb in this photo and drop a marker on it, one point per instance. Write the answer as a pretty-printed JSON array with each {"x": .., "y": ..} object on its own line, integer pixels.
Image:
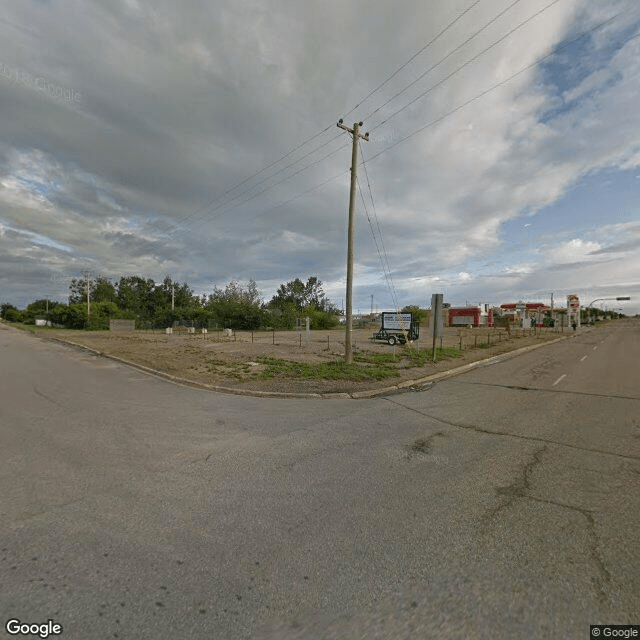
[{"x": 356, "y": 395}]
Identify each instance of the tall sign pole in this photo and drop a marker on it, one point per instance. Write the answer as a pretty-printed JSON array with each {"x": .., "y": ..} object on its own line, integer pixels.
[
  {"x": 348, "y": 353},
  {"x": 436, "y": 328}
]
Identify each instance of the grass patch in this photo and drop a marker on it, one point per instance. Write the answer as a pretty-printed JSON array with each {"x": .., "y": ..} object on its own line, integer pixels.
[
  {"x": 275, "y": 368},
  {"x": 420, "y": 357},
  {"x": 31, "y": 328},
  {"x": 376, "y": 358}
]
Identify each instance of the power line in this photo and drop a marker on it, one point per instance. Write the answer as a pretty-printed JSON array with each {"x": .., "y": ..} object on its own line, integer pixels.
[
  {"x": 396, "y": 95},
  {"x": 431, "y": 68},
  {"x": 288, "y": 177},
  {"x": 257, "y": 173},
  {"x": 204, "y": 209},
  {"x": 384, "y": 256},
  {"x": 459, "y": 107},
  {"x": 467, "y": 63},
  {"x": 377, "y": 109},
  {"x": 413, "y": 57},
  {"x": 385, "y": 269}
]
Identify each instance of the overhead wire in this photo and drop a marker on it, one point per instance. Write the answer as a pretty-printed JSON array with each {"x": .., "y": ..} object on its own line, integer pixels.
[
  {"x": 427, "y": 125},
  {"x": 493, "y": 87},
  {"x": 496, "y": 85},
  {"x": 228, "y": 206},
  {"x": 203, "y": 210},
  {"x": 384, "y": 258},
  {"x": 466, "y": 63},
  {"x": 449, "y": 25},
  {"x": 437, "y": 64},
  {"x": 385, "y": 270},
  {"x": 414, "y": 56},
  {"x": 383, "y": 255}
]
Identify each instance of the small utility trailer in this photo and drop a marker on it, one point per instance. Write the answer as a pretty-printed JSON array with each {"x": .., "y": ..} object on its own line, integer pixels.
[{"x": 397, "y": 328}]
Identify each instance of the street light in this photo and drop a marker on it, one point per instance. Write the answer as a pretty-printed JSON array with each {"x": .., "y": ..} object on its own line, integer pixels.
[{"x": 600, "y": 299}]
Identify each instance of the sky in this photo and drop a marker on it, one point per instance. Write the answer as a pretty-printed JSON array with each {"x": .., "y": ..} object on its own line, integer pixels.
[{"x": 200, "y": 141}]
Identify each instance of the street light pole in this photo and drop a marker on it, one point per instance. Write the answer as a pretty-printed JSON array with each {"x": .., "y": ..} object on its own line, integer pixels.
[{"x": 601, "y": 299}]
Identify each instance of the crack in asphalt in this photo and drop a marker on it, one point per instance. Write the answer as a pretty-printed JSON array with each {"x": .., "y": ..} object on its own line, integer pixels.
[
  {"x": 603, "y": 577},
  {"x": 544, "y": 389},
  {"x": 46, "y": 397},
  {"x": 23, "y": 517},
  {"x": 506, "y": 434},
  {"x": 518, "y": 488}
]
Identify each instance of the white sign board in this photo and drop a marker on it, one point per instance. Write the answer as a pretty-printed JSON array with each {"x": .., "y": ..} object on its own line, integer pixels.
[{"x": 398, "y": 321}]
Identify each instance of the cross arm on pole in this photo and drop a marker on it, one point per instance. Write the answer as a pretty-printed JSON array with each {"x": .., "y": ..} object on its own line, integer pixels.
[{"x": 354, "y": 130}]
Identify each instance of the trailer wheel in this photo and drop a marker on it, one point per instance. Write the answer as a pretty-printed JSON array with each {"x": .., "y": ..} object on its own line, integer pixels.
[{"x": 392, "y": 340}]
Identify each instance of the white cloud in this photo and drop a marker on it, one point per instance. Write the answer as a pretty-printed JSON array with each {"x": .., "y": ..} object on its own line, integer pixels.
[
  {"x": 575, "y": 250},
  {"x": 192, "y": 100}
]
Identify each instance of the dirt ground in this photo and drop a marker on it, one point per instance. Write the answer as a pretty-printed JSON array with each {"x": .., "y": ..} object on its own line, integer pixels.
[{"x": 231, "y": 361}]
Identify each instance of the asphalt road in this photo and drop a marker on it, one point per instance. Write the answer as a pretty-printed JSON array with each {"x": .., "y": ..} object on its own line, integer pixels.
[{"x": 502, "y": 503}]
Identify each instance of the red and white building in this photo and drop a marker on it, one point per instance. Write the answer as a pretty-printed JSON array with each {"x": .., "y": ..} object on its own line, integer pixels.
[{"x": 479, "y": 316}]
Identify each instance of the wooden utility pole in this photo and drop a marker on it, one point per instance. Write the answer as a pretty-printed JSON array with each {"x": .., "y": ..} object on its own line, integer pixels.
[
  {"x": 88, "y": 296},
  {"x": 348, "y": 353}
]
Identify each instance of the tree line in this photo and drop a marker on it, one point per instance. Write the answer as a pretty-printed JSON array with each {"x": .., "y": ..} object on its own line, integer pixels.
[{"x": 157, "y": 305}]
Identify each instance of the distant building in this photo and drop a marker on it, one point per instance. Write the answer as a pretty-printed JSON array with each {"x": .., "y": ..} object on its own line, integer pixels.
[{"x": 478, "y": 316}]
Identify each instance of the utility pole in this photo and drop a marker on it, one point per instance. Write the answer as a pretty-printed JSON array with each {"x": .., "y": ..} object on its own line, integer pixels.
[
  {"x": 348, "y": 354},
  {"x": 173, "y": 295},
  {"x": 88, "y": 301}
]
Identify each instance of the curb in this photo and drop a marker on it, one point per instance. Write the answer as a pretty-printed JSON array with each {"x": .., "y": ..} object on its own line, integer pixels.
[{"x": 356, "y": 395}]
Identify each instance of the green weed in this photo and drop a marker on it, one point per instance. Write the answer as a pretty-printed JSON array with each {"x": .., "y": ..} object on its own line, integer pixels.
[{"x": 323, "y": 371}]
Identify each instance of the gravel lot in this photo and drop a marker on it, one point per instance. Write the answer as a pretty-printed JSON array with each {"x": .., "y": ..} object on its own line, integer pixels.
[{"x": 232, "y": 361}]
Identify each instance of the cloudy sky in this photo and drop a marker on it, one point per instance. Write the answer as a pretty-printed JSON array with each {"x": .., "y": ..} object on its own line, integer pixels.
[{"x": 199, "y": 140}]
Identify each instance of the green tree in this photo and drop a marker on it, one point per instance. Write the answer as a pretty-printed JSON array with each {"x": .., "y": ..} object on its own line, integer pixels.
[
  {"x": 134, "y": 295},
  {"x": 237, "y": 306},
  {"x": 419, "y": 315},
  {"x": 103, "y": 290},
  {"x": 78, "y": 291},
  {"x": 10, "y": 313},
  {"x": 59, "y": 314},
  {"x": 302, "y": 294},
  {"x": 296, "y": 299}
]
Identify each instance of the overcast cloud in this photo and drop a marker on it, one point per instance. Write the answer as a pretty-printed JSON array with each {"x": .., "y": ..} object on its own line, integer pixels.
[{"x": 502, "y": 173}]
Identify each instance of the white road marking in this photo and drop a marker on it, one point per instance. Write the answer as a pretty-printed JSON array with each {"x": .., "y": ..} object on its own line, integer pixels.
[
  {"x": 583, "y": 358},
  {"x": 564, "y": 375}
]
